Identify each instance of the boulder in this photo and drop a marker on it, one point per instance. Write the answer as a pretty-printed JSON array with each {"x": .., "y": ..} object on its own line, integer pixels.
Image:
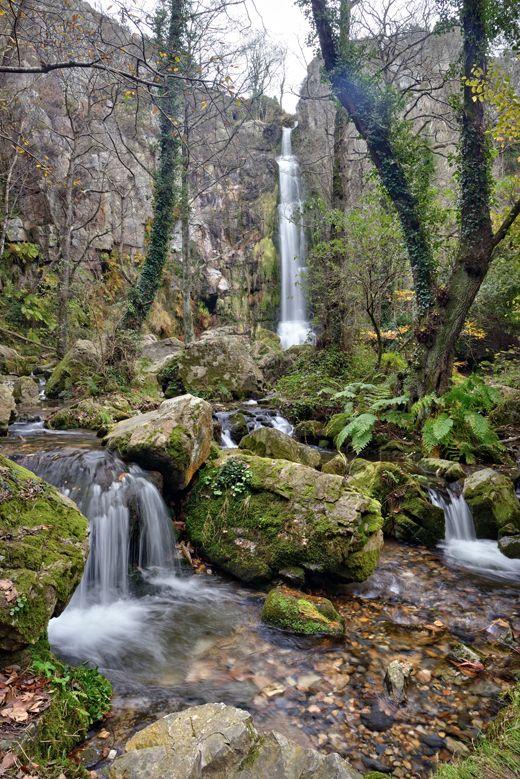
[
  {"x": 91, "y": 414},
  {"x": 268, "y": 442},
  {"x": 7, "y": 408},
  {"x": 43, "y": 548},
  {"x": 510, "y": 546},
  {"x": 406, "y": 508},
  {"x": 175, "y": 439},
  {"x": 255, "y": 517},
  {"x": 10, "y": 361},
  {"x": 442, "y": 469},
  {"x": 26, "y": 391},
  {"x": 337, "y": 464},
  {"x": 493, "y": 503},
  {"x": 79, "y": 363},
  {"x": 218, "y": 367},
  {"x": 310, "y": 431},
  {"x": 155, "y": 354},
  {"x": 238, "y": 425},
  {"x": 306, "y": 615},
  {"x": 221, "y": 742}
]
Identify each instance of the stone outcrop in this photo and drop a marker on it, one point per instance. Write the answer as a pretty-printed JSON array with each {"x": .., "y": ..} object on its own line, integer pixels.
[
  {"x": 268, "y": 442},
  {"x": 217, "y": 367},
  {"x": 43, "y": 548},
  {"x": 221, "y": 742},
  {"x": 7, "y": 408},
  {"x": 175, "y": 439},
  {"x": 306, "y": 615},
  {"x": 407, "y": 510},
  {"x": 493, "y": 503},
  {"x": 254, "y": 517},
  {"x": 80, "y": 362}
]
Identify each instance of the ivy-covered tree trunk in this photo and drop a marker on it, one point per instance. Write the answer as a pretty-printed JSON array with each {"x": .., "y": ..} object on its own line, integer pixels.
[
  {"x": 187, "y": 271},
  {"x": 166, "y": 191}
]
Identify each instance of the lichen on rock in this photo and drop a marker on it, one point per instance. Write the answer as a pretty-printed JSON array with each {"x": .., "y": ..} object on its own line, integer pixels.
[
  {"x": 492, "y": 499},
  {"x": 76, "y": 365},
  {"x": 268, "y": 442},
  {"x": 296, "y": 612}
]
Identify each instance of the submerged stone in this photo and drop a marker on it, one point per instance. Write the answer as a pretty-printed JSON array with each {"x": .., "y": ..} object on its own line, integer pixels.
[
  {"x": 492, "y": 499},
  {"x": 219, "y": 741},
  {"x": 268, "y": 442},
  {"x": 43, "y": 548},
  {"x": 279, "y": 514},
  {"x": 307, "y": 615}
]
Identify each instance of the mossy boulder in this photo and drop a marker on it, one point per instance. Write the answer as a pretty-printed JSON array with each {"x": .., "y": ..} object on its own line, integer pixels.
[
  {"x": 310, "y": 431},
  {"x": 268, "y": 442},
  {"x": 442, "y": 469},
  {"x": 154, "y": 353},
  {"x": 306, "y": 615},
  {"x": 275, "y": 514},
  {"x": 493, "y": 503},
  {"x": 11, "y": 362},
  {"x": 26, "y": 391},
  {"x": 79, "y": 362},
  {"x": 238, "y": 425},
  {"x": 405, "y": 505},
  {"x": 337, "y": 465},
  {"x": 43, "y": 548},
  {"x": 7, "y": 408},
  {"x": 510, "y": 546},
  {"x": 175, "y": 439},
  {"x": 219, "y": 367},
  {"x": 91, "y": 414}
]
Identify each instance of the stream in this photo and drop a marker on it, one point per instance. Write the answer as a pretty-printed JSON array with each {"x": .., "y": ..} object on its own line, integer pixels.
[{"x": 168, "y": 639}]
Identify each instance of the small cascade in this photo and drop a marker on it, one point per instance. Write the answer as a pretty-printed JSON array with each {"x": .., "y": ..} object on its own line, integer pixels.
[
  {"x": 294, "y": 327},
  {"x": 256, "y": 418},
  {"x": 461, "y": 545},
  {"x": 130, "y": 528},
  {"x": 226, "y": 440}
]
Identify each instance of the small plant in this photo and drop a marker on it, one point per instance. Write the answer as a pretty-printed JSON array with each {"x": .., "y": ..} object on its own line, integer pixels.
[
  {"x": 18, "y": 606},
  {"x": 233, "y": 477}
]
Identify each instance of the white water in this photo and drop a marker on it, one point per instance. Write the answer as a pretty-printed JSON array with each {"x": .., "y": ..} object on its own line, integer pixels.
[
  {"x": 256, "y": 418},
  {"x": 294, "y": 327},
  {"x": 462, "y": 547}
]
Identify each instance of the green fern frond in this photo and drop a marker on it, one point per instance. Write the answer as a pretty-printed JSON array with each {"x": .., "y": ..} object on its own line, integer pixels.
[{"x": 359, "y": 431}]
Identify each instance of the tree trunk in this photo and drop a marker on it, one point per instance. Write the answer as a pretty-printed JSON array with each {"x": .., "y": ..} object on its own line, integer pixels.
[
  {"x": 187, "y": 314},
  {"x": 65, "y": 266}
]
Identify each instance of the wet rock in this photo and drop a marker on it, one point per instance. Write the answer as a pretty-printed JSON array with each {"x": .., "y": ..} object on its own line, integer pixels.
[
  {"x": 377, "y": 769},
  {"x": 464, "y": 654},
  {"x": 26, "y": 391},
  {"x": 175, "y": 439},
  {"x": 284, "y": 514},
  {"x": 396, "y": 679},
  {"x": 293, "y": 574},
  {"x": 493, "y": 503},
  {"x": 268, "y": 442},
  {"x": 7, "y": 408},
  {"x": 238, "y": 425},
  {"x": 442, "y": 469},
  {"x": 510, "y": 546},
  {"x": 424, "y": 676},
  {"x": 43, "y": 548},
  {"x": 379, "y": 718},
  {"x": 80, "y": 362},
  {"x": 433, "y": 741},
  {"x": 216, "y": 367},
  {"x": 296, "y": 612},
  {"x": 222, "y": 742},
  {"x": 501, "y": 630}
]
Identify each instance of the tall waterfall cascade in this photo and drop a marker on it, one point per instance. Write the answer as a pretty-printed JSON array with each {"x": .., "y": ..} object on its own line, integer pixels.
[
  {"x": 294, "y": 327},
  {"x": 461, "y": 545}
]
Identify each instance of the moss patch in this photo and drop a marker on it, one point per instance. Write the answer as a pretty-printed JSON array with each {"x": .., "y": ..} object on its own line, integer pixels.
[{"x": 302, "y": 614}]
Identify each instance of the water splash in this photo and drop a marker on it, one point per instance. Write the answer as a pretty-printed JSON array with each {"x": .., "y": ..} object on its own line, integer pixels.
[
  {"x": 294, "y": 327},
  {"x": 256, "y": 418}
]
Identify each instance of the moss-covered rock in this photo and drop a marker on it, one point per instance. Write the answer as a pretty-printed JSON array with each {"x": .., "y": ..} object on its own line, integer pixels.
[
  {"x": 337, "y": 465},
  {"x": 10, "y": 361},
  {"x": 175, "y": 439},
  {"x": 510, "y": 546},
  {"x": 7, "y": 408},
  {"x": 43, "y": 547},
  {"x": 238, "y": 425},
  {"x": 26, "y": 391},
  {"x": 493, "y": 503},
  {"x": 310, "y": 431},
  {"x": 283, "y": 514},
  {"x": 268, "y": 442},
  {"x": 442, "y": 469},
  {"x": 306, "y": 615},
  {"x": 406, "y": 508},
  {"x": 218, "y": 367},
  {"x": 94, "y": 414},
  {"x": 79, "y": 362}
]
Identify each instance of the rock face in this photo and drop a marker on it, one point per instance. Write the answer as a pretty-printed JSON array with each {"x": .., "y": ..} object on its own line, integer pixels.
[
  {"x": 307, "y": 615},
  {"x": 268, "y": 442},
  {"x": 79, "y": 362},
  {"x": 221, "y": 742},
  {"x": 175, "y": 439},
  {"x": 7, "y": 408},
  {"x": 255, "y": 517},
  {"x": 219, "y": 367},
  {"x": 43, "y": 548},
  {"x": 493, "y": 503},
  {"x": 407, "y": 511}
]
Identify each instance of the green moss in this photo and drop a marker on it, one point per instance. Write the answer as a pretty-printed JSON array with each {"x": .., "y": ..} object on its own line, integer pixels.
[
  {"x": 177, "y": 448},
  {"x": 302, "y": 614}
]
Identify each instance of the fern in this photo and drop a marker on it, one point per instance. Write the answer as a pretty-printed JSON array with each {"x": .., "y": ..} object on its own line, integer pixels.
[
  {"x": 359, "y": 431},
  {"x": 436, "y": 430}
]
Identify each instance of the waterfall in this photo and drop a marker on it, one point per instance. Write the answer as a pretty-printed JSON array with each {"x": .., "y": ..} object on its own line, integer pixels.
[
  {"x": 130, "y": 528},
  {"x": 294, "y": 327},
  {"x": 461, "y": 545}
]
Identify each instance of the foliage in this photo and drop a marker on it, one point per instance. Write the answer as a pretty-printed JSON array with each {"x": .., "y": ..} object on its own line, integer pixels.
[{"x": 233, "y": 477}]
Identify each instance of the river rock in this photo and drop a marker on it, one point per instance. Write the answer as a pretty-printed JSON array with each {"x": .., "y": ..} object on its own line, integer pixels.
[
  {"x": 396, "y": 679},
  {"x": 310, "y": 431},
  {"x": 307, "y": 615},
  {"x": 43, "y": 548},
  {"x": 80, "y": 362},
  {"x": 221, "y": 742},
  {"x": 26, "y": 391},
  {"x": 7, "y": 408},
  {"x": 254, "y": 517},
  {"x": 493, "y": 503},
  {"x": 407, "y": 510},
  {"x": 218, "y": 367},
  {"x": 98, "y": 414},
  {"x": 442, "y": 469},
  {"x": 154, "y": 353},
  {"x": 10, "y": 361},
  {"x": 268, "y": 442},
  {"x": 175, "y": 439},
  {"x": 510, "y": 546}
]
